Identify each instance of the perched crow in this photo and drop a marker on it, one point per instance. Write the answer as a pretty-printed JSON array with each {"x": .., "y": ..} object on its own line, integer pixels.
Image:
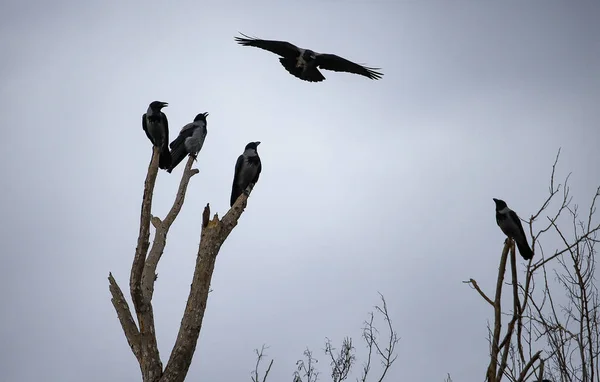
[
  {"x": 247, "y": 171},
  {"x": 305, "y": 63},
  {"x": 510, "y": 224},
  {"x": 189, "y": 141},
  {"x": 156, "y": 126}
]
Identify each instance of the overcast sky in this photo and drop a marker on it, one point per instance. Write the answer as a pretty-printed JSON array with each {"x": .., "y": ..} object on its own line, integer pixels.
[{"x": 366, "y": 185}]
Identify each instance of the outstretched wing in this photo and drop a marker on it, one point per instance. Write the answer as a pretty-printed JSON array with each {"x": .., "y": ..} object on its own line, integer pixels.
[
  {"x": 339, "y": 64},
  {"x": 282, "y": 48}
]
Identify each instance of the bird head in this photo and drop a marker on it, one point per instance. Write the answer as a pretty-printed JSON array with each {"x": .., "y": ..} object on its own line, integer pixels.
[
  {"x": 201, "y": 117},
  {"x": 252, "y": 145},
  {"x": 500, "y": 204},
  {"x": 158, "y": 105}
]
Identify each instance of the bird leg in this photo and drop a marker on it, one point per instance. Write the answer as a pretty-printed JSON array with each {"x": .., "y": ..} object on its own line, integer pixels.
[{"x": 195, "y": 157}]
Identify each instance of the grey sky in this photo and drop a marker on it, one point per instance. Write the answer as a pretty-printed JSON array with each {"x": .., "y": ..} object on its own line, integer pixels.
[{"x": 366, "y": 186}]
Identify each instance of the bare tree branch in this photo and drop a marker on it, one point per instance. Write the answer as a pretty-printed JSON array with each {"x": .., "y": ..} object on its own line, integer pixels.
[
  {"x": 162, "y": 229},
  {"x": 370, "y": 334},
  {"x": 491, "y": 373},
  {"x": 529, "y": 364},
  {"x": 306, "y": 369},
  {"x": 211, "y": 239},
  {"x": 571, "y": 330},
  {"x": 143, "y": 275},
  {"x": 369, "y": 337},
  {"x": 132, "y": 334},
  {"x": 151, "y": 365},
  {"x": 259, "y": 356},
  {"x": 341, "y": 363},
  {"x": 388, "y": 353},
  {"x": 506, "y": 342},
  {"x": 475, "y": 286},
  {"x": 144, "y": 236}
]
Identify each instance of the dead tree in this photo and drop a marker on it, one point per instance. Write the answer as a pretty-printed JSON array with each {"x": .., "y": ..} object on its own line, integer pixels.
[
  {"x": 342, "y": 361},
  {"x": 544, "y": 340},
  {"x": 140, "y": 332}
]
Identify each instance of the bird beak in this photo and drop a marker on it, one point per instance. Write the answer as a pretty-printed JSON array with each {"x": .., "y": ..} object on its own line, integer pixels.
[
  {"x": 205, "y": 115},
  {"x": 257, "y": 143},
  {"x": 165, "y": 104},
  {"x": 495, "y": 200}
]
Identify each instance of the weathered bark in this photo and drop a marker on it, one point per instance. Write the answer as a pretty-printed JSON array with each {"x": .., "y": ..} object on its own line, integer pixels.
[
  {"x": 162, "y": 229},
  {"x": 143, "y": 275},
  {"x": 212, "y": 237},
  {"x": 491, "y": 372},
  {"x": 132, "y": 334},
  {"x": 150, "y": 364}
]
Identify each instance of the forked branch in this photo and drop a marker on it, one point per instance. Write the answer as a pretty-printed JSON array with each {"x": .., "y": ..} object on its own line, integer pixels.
[
  {"x": 143, "y": 275},
  {"x": 212, "y": 237},
  {"x": 162, "y": 229},
  {"x": 259, "y": 357}
]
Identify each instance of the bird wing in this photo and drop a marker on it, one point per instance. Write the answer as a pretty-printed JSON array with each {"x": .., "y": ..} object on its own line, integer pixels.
[
  {"x": 236, "y": 190},
  {"x": 166, "y": 122},
  {"x": 282, "y": 48},
  {"x": 165, "y": 154},
  {"x": 202, "y": 136},
  {"x": 186, "y": 131},
  {"x": 238, "y": 169},
  {"x": 339, "y": 64},
  {"x": 146, "y": 128},
  {"x": 515, "y": 218},
  {"x": 257, "y": 171}
]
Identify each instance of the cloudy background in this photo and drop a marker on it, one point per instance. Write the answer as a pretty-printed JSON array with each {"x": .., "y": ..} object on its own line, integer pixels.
[{"x": 367, "y": 186}]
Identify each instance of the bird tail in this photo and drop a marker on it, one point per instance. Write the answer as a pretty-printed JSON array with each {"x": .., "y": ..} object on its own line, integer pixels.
[
  {"x": 178, "y": 153},
  {"x": 165, "y": 158},
  {"x": 524, "y": 249},
  {"x": 290, "y": 66},
  {"x": 311, "y": 75},
  {"x": 236, "y": 191}
]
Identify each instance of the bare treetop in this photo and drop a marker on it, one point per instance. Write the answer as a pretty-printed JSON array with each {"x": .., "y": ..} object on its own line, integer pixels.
[{"x": 141, "y": 336}]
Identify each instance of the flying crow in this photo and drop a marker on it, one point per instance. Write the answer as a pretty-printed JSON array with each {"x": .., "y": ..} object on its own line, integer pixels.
[
  {"x": 247, "y": 170},
  {"x": 305, "y": 63},
  {"x": 156, "y": 126},
  {"x": 190, "y": 140},
  {"x": 510, "y": 224}
]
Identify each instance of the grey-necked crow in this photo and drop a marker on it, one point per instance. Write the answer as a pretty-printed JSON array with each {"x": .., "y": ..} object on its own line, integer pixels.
[
  {"x": 510, "y": 224},
  {"x": 247, "y": 171},
  {"x": 156, "y": 126},
  {"x": 305, "y": 63},
  {"x": 189, "y": 141}
]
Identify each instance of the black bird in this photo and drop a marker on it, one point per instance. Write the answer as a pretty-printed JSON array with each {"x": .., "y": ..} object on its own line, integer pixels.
[
  {"x": 305, "y": 63},
  {"x": 189, "y": 141},
  {"x": 156, "y": 126},
  {"x": 247, "y": 171},
  {"x": 510, "y": 224}
]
